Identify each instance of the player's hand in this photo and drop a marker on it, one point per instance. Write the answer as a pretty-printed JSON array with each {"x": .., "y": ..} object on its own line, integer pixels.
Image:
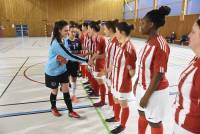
[
  {"x": 144, "y": 101},
  {"x": 134, "y": 89},
  {"x": 61, "y": 60},
  {"x": 100, "y": 74},
  {"x": 91, "y": 62}
]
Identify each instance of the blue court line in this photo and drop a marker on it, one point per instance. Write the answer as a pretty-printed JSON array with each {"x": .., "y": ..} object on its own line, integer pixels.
[
  {"x": 14, "y": 77},
  {"x": 31, "y": 102},
  {"x": 40, "y": 111}
]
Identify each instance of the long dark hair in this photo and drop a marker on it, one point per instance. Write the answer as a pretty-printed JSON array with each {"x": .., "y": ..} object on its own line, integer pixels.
[
  {"x": 111, "y": 25},
  {"x": 198, "y": 22},
  {"x": 157, "y": 16},
  {"x": 95, "y": 25},
  {"x": 58, "y": 26},
  {"x": 123, "y": 26}
]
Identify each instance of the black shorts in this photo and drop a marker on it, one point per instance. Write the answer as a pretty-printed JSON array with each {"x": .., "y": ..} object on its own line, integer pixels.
[
  {"x": 72, "y": 68},
  {"x": 54, "y": 81}
]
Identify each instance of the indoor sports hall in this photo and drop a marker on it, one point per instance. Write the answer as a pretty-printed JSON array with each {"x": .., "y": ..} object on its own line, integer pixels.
[{"x": 27, "y": 37}]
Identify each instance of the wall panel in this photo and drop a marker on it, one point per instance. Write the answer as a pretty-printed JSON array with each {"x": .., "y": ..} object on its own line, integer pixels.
[{"x": 36, "y": 12}]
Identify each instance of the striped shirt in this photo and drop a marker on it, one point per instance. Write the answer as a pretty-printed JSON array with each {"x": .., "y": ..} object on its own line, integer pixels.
[
  {"x": 125, "y": 56},
  {"x": 188, "y": 112},
  {"x": 110, "y": 52},
  {"x": 154, "y": 59}
]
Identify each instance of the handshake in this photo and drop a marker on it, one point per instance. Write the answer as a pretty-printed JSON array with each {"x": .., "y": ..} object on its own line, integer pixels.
[{"x": 61, "y": 60}]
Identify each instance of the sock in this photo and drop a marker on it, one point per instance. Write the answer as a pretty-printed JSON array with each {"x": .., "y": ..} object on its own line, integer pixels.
[
  {"x": 53, "y": 100},
  {"x": 110, "y": 98},
  {"x": 142, "y": 125},
  {"x": 73, "y": 88},
  {"x": 96, "y": 87},
  {"x": 68, "y": 101},
  {"x": 157, "y": 130},
  {"x": 84, "y": 71},
  {"x": 117, "y": 111},
  {"x": 103, "y": 92},
  {"x": 124, "y": 116}
]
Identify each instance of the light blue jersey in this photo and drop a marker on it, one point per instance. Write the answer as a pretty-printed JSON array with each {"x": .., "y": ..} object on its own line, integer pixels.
[{"x": 53, "y": 67}]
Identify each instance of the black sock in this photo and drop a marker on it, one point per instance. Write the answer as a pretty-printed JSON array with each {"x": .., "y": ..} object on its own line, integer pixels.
[
  {"x": 68, "y": 101},
  {"x": 53, "y": 100}
]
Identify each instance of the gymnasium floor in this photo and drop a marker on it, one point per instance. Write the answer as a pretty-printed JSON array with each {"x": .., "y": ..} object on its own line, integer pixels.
[{"x": 24, "y": 105}]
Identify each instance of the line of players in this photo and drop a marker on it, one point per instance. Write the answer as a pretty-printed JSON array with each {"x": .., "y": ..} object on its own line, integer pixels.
[{"x": 111, "y": 64}]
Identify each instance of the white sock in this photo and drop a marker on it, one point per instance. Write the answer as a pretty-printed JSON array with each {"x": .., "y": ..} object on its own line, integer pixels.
[{"x": 73, "y": 85}]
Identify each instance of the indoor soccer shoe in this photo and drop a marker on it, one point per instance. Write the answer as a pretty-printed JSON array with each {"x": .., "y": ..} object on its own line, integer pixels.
[
  {"x": 112, "y": 119},
  {"x": 74, "y": 115},
  {"x": 86, "y": 83},
  {"x": 99, "y": 104},
  {"x": 117, "y": 130},
  {"x": 55, "y": 112}
]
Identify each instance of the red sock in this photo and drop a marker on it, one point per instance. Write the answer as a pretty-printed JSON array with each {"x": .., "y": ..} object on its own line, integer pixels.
[
  {"x": 103, "y": 92},
  {"x": 157, "y": 130},
  {"x": 117, "y": 111},
  {"x": 86, "y": 71},
  {"x": 95, "y": 86},
  {"x": 83, "y": 71},
  {"x": 142, "y": 125},
  {"x": 113, "y": 107},
  {"x": 110, "y": 98},
  {"x": 124, "y": 116}
]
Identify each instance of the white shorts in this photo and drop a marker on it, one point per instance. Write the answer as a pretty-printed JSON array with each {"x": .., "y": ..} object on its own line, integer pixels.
[
  {"x": 156, "y": 108},
  {"x": 179, "y": 130},
  {"x": 107, "y": 82},
  {"x": 122, "y": 96},
  {"x": 85, "y": 64},
  {"x": 96, "y": 77}
]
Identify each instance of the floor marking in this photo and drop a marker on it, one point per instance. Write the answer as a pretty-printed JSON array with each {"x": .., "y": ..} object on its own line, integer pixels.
[
  {"x": 14, "y": 77},
  {"x": 40, "y": 111},
  {"x": 32, "y": 102},
  {"x": 100, "y": 115},
  {"x": 25, "y": 75},
  {"x": 35, "y": 42}
]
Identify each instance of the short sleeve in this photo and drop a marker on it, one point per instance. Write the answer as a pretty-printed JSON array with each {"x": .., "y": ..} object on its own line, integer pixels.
[
  {"x": 196, "y": 82},
  {"x": 160, "y": 60},
  {"x": 101, "y": 46},
  {"x": 131, "y": 57}
]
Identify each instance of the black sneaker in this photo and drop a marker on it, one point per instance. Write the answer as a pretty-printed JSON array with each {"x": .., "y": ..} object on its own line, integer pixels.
[
  {"x": 89, "y": 90},
  {"x": 70, "y": 85},
  {"x": 112, "y": 119},
  {"x": 87, "y": 87},
  {"x": 117, "y": 130},
  {"x": 86, "y": 83}
]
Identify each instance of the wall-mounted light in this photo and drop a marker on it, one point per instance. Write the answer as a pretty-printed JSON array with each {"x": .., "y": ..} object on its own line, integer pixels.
[{"x": 13, "y": 25}]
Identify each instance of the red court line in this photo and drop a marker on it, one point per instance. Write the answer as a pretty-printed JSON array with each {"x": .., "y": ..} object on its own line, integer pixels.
[{"x": 27, "y": 77}]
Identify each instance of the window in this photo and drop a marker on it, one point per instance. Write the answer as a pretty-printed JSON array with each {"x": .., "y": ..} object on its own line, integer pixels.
[
  {"x": 175, "y": 5},
  {"x": 193, "y": 7},
  {"x": 144, "y": 6},
  {"x": 129, "y": 10}
]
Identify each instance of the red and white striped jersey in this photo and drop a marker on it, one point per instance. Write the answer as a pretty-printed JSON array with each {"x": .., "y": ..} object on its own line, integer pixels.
[
  {"x": 84, "y": 42},
  {"x": 98, "y": 46},
  {"x": 88, "y": 44},
  {"x": 188, "y": 112},
  {"x": 154, "y": 59},
  {"x": 110, "y": 52},
  {"x": 125, "y": 56}
]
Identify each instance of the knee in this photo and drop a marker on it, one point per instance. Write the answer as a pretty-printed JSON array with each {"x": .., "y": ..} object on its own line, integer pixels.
[
  {"x": 54, "y": 91},
  {"x": 116, "y": 101},
  {"x": 155, "y": 125},
  {"x": 123, "y": 104},
  {"x": 65, "y": 88}
]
